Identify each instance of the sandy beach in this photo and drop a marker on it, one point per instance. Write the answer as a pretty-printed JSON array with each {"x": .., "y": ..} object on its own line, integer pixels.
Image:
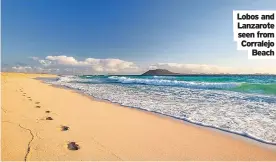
[{"x": 102, "y": 130}]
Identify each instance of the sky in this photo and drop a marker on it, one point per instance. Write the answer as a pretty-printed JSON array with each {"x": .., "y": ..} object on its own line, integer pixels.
[{"x": 126, "y": 36}]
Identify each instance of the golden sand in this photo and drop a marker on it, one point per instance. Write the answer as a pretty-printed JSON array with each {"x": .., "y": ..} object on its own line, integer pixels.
[{"x": 102, "y": 131}]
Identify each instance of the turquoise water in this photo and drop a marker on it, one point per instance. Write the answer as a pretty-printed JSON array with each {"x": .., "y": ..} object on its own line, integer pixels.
[
  {"x": 241, "y": 83},
  {"x": 241, "y": 104}
]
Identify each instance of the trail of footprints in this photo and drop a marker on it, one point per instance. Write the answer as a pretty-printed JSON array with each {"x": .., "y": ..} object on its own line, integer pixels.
[{"x": 70, "y": 145}]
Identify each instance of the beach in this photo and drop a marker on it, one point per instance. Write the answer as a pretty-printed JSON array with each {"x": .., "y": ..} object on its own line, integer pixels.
[{"x": 34, "y": 112}]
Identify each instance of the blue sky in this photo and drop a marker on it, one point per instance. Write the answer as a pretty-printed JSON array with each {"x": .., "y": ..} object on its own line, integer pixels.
[{"x": 143, "y": 32}]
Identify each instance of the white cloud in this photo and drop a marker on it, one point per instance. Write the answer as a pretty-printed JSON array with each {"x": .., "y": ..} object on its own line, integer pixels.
[
  {"x": 62, "y": 60},
  {"x": 95, "y": 65},
  {"x": 22, "y": 69},
  {"x": 34, "y": 58},
  {"x": 44, "y": 62},
  {"x": 34, "y": 69}
]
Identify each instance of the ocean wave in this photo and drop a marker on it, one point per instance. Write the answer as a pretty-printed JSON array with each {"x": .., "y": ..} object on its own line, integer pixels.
[
  {"x": 166, "y": 82},
  {"x": 67, "y": 79},
  {"x": 257, "y": 88},
  {"x": 77, "y": 79},
  {"x": 164, "y": 77}
]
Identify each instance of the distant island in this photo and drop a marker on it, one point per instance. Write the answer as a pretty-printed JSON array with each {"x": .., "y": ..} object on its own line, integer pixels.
[
  {"x": 160, "y": 72},
  {"x": 167, "y": 72}
]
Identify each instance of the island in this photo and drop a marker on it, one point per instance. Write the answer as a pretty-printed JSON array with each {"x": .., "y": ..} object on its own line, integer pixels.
[{"x": 160, "y": 72}]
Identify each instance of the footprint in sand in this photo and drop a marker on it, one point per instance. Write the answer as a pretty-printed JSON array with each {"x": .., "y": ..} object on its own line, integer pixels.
[
  {"x": 73, "y": 146},
  {"x": 64, "y": 128},
  {"x": 37, "y": 102},
  {"x": 47, "y": 111},
  {"x": 49, "y": 118},
  {"x": 37, "y": 106}
]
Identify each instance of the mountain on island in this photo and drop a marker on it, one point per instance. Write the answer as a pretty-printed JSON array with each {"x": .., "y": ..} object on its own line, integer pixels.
[{"x": 160, "y": 72}]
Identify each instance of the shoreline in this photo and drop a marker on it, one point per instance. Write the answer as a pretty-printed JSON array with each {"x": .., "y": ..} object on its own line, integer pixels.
[
  {"x": 250, "y": 139},
  {"x": 185, "y": 121},
  {"x": 209, "y": 128},
  {"x": 110, "y": 131}
]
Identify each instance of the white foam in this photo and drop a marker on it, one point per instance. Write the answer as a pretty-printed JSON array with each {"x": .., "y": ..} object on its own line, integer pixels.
[
  {"x": 76, "y": 79},
  {"x": 68, "y": 78},
  {"x": 164, "y": 82}
]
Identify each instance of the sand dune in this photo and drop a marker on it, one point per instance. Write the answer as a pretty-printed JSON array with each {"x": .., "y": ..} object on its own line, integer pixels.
[{"x": 42, "y": 122}]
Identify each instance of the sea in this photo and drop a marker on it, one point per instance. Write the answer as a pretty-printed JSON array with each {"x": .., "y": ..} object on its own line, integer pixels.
[{"x": 239, "y": 104}]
